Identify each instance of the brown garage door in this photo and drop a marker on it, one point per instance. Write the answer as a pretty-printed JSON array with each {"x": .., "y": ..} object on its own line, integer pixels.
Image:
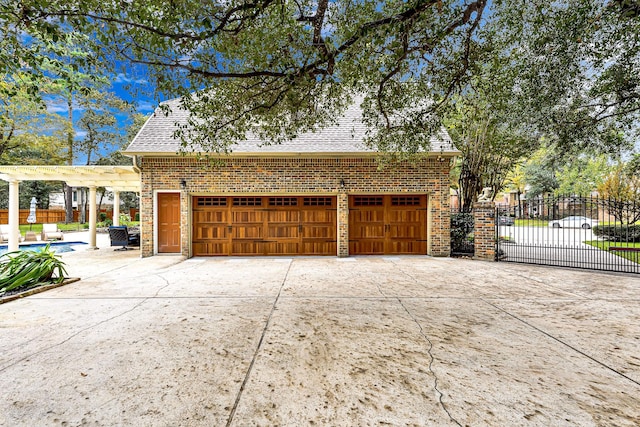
[
  {"x": 388, "y": 224},
  {"x": 264, "y": 225}
]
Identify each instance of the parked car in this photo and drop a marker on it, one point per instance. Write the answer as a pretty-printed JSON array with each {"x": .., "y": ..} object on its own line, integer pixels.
[
  {"x": 505, "y": 220},
  {"x": 574, "y": 222}
]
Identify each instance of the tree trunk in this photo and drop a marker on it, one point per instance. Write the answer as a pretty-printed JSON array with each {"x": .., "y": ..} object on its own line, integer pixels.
[
  {"x": 69, "y": 190},
  {"x": 82, "y": 204},
  {"x": 68, "y": 202}
]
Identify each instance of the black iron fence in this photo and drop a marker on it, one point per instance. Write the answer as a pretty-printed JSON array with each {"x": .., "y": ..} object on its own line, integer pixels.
[{"x": 570, "y": 231}]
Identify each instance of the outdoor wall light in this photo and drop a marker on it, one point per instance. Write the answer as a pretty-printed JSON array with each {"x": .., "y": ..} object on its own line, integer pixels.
[
  {"x": 341, "y": 182},
  {"x": 183, "y": 183}
]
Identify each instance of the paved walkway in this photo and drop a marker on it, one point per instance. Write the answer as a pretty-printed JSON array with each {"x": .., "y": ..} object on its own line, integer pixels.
[{"x": 165, "y": 341}]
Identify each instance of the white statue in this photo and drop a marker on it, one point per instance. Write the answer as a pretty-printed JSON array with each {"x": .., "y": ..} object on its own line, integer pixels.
[{"x": 486, "y": 195}]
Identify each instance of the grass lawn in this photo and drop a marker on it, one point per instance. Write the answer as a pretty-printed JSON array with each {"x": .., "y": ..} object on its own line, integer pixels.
[
  {"x": 605, "y": 245},
  {"x": 72, "y": 226},
  {"x": 532, "y": 222},
  {"x": 37, "y": 228}
]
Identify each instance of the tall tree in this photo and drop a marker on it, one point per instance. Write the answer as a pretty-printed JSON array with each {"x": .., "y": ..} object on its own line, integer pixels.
[
  {"x": 620, "y": 192},
  {"x": 540, "y": 173},
  {"x": 29, "y": 135},
  {"x": 277, "y": 67},
  {"x": 582, "y": 175},
  {"x": 129, "y": 200},
  {"x": 490, "y": 146},
  {"x": 26, "y": 127},
  {"x": 64, "y": 79},
  {"x": 99, "y": 121}
]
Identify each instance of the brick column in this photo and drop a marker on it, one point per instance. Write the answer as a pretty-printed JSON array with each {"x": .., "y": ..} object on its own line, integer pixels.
[
  {"x": 146, "y": 215},
  {"x": 185, "y": 236},
  {"x": 343, "y": 225},
  {"x": 484, "y": 231}
]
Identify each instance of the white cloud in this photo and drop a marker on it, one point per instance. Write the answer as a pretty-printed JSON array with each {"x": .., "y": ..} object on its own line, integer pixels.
[
  {"x": 145, "y": 106},
  {"x": 79, "y": 134},
  {"x": 58, "y": 105},
  {"x": 122, "y": 78}
]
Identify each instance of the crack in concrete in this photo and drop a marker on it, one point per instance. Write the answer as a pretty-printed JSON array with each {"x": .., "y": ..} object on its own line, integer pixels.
[
  {"x": 430, "y": 366},
  {"x": 75, "y": 334},
  {"x": 257, "y": 350},
  {"x": 429, "y": 348},
  {"x": 550, "y": 286}
]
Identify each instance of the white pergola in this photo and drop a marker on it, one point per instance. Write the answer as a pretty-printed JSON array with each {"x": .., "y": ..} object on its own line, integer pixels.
[{"x": 114, "y": 178}]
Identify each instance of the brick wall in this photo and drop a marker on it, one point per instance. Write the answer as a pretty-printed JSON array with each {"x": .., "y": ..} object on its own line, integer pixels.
[
  {"x": 296, "y": 176},
  {"x": 343, "y": 224},
  {"x": 484, "y": 233}
]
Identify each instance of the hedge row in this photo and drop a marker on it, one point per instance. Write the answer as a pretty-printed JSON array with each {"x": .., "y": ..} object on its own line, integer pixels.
[{"x": 618, "y": 233}]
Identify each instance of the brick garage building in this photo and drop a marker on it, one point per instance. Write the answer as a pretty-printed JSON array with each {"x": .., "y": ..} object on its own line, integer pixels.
[{"x": 323, "y": 193}]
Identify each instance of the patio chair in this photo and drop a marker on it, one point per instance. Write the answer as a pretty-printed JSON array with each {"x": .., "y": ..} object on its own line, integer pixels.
[
  {"x": 4, "y": 233},
  {"x": 51, "y": 232},
  {"x": 119, "y": 235}
]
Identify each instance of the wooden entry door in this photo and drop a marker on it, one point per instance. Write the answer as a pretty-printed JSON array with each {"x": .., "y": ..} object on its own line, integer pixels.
[
  {"x": 169, "y": 223},
  {"x": 382, "y": 224}
]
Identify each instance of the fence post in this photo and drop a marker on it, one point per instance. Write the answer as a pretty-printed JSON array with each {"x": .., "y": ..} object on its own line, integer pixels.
[{"x": 484, "y": 242}]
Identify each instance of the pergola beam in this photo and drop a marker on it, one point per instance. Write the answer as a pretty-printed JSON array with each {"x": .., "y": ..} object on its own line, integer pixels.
[{"x": 115, "y": 178}]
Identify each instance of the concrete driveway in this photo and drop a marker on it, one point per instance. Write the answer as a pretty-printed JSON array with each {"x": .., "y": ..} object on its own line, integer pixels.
[{"x": 400, "y": 341}]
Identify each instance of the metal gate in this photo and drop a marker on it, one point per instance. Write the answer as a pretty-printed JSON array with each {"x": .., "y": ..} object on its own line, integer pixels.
[{"x": 580, "y": 232}]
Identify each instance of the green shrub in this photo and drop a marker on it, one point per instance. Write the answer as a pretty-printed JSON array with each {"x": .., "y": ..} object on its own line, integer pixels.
[
  {"x": 125, "y": 219},
  {"x": 618, "y": 232},
  {"x": 25, "y": 269},
  {"x": 106, "y": 223},
  {"x": 461, "y": 226},
  {"x": 102, "y": 216}
]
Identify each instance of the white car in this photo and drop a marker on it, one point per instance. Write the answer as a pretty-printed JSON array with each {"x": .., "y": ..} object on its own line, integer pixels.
[{"x": 573, "y": 222}]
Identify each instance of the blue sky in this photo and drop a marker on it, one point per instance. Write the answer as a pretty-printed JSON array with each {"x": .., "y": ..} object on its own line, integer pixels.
[{"x": 143, "y": 101}]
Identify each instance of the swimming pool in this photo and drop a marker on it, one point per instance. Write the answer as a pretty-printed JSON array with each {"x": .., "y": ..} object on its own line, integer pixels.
[{"x": 57, "y": 247}]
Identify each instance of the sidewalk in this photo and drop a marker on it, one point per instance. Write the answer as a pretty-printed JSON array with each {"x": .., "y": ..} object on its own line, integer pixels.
[{"x": 88, "y": 263}]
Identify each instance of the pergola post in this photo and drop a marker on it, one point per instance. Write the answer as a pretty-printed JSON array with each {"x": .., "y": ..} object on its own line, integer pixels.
[
  {"x": 93, "y": 214},
  {"x": 116, "y": 207},
  {"x": 14, "y": 216}
]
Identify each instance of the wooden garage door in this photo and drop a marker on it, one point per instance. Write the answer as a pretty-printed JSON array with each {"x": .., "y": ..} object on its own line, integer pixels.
[
  {"x": 264, "y": 225},
  {"x": 383, "y": 224}
]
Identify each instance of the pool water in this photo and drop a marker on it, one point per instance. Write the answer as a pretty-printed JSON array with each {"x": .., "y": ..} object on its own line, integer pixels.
[{"x": 57, "y": 247}]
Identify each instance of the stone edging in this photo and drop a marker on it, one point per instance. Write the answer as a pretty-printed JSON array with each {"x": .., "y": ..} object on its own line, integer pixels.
[{"x": 37, "y": 290}]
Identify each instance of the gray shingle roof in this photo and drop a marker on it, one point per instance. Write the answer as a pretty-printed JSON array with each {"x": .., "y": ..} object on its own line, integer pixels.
[{"x": 344, "y": 137}]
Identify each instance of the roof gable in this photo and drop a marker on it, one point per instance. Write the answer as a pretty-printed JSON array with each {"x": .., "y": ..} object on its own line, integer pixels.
[{"x": 345, "y": 136}]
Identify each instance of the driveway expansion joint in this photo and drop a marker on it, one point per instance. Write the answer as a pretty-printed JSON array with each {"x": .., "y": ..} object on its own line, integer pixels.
[
  {"x": 75, "y": 334},
  {"x": 258, "y": 347},
  {"x": 564, "y": 343}
]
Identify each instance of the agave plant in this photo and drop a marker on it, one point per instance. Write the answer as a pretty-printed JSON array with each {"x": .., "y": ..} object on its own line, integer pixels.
[{"x": 28, "y": 268}]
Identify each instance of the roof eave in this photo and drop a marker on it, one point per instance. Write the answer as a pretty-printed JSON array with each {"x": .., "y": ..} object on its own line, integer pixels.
[{"x": 314, "y": 154}]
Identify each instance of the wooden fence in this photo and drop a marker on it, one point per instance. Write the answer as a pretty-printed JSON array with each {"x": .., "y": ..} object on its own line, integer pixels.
[{"x": 49, "y": 216}]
